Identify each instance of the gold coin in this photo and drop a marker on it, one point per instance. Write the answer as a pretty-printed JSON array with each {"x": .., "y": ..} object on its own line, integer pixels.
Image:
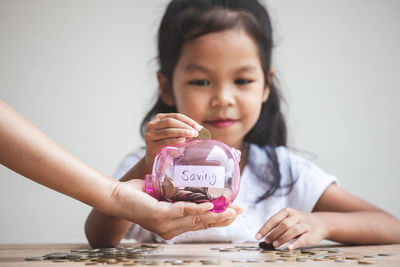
[
  {"x": 366, "y": 262},
  {"x": 353, "y": 258},
  {"x": 204, "y": 134}
]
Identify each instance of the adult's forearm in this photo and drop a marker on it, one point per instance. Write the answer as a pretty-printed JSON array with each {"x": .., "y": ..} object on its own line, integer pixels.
[{"x": 28, "y": 151}]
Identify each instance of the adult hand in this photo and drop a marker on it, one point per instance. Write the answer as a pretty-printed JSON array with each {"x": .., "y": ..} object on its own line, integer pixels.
[{"x": 163, "y": 218}]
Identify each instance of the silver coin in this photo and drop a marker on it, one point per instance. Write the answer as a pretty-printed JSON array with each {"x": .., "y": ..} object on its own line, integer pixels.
[
  {"x": 239, "y": 260},
  {"x": 56, "y": 256},
  {"x": 215, "y": 192},
  {"x": 303, "y": 260},
  {"x": 342, "y": 260}
]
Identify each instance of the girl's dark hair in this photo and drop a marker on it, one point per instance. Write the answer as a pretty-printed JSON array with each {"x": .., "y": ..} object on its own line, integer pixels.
[{"x": 189, "y": 19}]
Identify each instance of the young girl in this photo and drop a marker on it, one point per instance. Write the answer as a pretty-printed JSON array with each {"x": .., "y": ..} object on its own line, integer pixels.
[{"x": 215, "y": 71}]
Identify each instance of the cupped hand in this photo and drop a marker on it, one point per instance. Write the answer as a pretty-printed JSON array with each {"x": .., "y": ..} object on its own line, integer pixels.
[
  {"x": 307, "y": 228},
  {"x": 168, "y": 129},
  {"x": 163, "y": 218}
]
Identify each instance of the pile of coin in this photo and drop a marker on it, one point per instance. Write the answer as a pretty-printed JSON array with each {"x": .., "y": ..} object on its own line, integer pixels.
[
  {"x": 192, "y": 194},
  {"x": 129, "y": 256},
  {"x": 301, "y": 255},
  {"x": 145, "y": 255}
]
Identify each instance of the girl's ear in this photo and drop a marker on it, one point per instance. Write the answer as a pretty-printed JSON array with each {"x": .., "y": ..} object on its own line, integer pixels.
[
  {"x": 267, "y": 89},
  {"x": 165, "y": 92}
]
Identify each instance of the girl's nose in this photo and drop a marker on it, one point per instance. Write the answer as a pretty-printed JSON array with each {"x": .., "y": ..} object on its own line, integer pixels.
[{"x": 223, "y": 97}]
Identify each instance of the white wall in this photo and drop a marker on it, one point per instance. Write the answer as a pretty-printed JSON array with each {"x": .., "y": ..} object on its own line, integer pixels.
[{"x": 83, "y": 72}]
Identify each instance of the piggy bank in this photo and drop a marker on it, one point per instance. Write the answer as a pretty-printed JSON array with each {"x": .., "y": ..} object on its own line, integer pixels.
[{"x": 196, "y": 171}]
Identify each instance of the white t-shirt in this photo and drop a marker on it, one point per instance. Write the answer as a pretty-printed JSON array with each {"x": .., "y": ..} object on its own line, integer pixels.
[{"x": 309, "y": 184}]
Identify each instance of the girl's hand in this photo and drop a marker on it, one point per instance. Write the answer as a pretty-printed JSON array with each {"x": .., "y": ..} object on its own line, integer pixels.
[
  {"x": 168, "y": 129},
  {"x": 163, "y": 218},
  {"x": 288, "y": 224}
]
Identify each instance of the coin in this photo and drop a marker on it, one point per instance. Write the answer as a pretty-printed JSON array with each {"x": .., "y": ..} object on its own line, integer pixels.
[
  {"x": 210, "y": 262},
  {"x": 366, "y": 262},
  {"x": 196, "y": 196},
  {"x": 197, "y": 189},
  {"x": 255, "y": 261},
  {"x": 152, "y": 263},
  {"x": 178, "y": 262},
  {"x": 181, "y": 195},
  {"x": 227, "y": 193},
  {"x": 41, "y": 258},
  {"x": 320, "y": 259},
  {"x": 215, "y": 192},
  {"x": 371, "y": 256},
  {"x": 228, "y": 250},
  {"x": 266, "y": 246},
  {"x": 239, "y": 260},
  {"x": 204, "y": 134},
  {"x": 386, "y": 254},
  {"x": 168, "y": 188},
  {"x": 56, "y": 256},
  {"x": 303, "y": 259},
  {"x": 342, "y": 260},
  {"x": 353, "y": 258}
]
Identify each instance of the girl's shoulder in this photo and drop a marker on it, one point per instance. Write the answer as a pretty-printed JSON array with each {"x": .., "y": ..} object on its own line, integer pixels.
[
  {"x": 292, "y": 165},
  {"x": 284, "y": 156}
]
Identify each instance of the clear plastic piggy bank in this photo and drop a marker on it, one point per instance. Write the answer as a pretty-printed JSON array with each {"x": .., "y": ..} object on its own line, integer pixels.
[{"x": 197, "y": 171}]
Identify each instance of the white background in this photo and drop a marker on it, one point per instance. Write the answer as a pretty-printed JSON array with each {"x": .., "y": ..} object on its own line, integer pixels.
[{"x": 84, "y": 73}]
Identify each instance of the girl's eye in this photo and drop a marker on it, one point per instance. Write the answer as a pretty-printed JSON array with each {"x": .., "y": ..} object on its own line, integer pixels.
[
  {"x": 199, "y": 82},
  {"x": 242, "y": 81}
]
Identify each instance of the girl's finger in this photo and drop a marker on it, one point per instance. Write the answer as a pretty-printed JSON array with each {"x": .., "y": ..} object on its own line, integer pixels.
[
  {"x": 166, "y": 133},
  {"x": 271, "y": 224},
  {"x": 280, "y": 229},
  {"x": 183, "y": 118},
  {"x": 301, "y": 241},
  {"x": 169, "y": 123},
  {"x": 293, "y": 232}
]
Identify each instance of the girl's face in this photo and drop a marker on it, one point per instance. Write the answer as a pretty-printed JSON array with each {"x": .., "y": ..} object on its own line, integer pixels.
[{"x": 219, "y": 82}]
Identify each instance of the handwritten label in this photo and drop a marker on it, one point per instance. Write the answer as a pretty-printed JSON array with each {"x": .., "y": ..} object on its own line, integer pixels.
[{"x": 199, "y": 176}]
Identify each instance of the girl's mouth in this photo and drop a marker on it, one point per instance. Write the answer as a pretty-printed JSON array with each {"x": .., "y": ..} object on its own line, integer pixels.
[{"x": 221, "y": 123}]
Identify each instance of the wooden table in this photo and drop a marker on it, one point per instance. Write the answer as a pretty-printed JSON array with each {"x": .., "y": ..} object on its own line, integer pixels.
[{"x": 14, "y": 255}]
